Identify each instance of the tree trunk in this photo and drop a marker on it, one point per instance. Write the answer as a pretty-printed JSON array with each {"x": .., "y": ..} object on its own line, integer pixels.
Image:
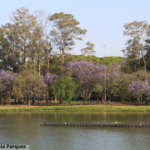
[
  {"x": 46, "y": 100},
  {"x": 8, "y": 100},
  {"x": 60, "y": 101},
  {"x": 141, "y": 101},
  {"x": 25, "y": 52},
  {"x": 47, "y": 57},
  {"x": 85, "y": 101},
  {"x": 69, "y": 103},
  {"x": 108, "y": 101},
  {"x": 129, "y": 101},
  {"x": 144, "y": 64},
  {"x": 34, "y": 65},
  {"x": 39, "y": 67},
  {"x": 55, "y": 99},
  {"x": 29, "y": 102},
  {"x": 102, "y": 100},
  {"x": 33, "y": 100},
  {"x": 50, "y": 102},
  {"x": 146, "y": 102},
  {"x": 44, "y": 97},
  {"x": 62, "y": 56},
  {"x": 39, "y": 100},
  {"x": 25, "y": 100},
  {"x": 2, "y": 101}
]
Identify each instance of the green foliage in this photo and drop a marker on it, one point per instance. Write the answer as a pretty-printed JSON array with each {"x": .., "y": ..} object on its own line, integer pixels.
[
  {"x": 18, "y": 33},
  {"x": 122, "y": 86},
  {"x": 5, "y": 51},
  {"x": 99, "y": 90},
  {"x": 89, "y": 50},
  {"x": 65, "y": 31},
  {"x": 112, "y": 60},
  {"x": 136, "y": 49},
  {"x": 28, "y": 83},
  {"x": 65, "y": 89},
  {"x": 26, "y": 45}
]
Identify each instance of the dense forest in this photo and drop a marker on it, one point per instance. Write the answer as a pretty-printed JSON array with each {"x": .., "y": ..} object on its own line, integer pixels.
[{"x": 36, "y": 59}]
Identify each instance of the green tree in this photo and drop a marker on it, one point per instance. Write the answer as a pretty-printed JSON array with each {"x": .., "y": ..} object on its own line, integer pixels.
[
  {"x": 65, "y": 31},
  {"x": 99, "y": 91},
  {"x": 138, "y": 31},
  {"x": 122, "y": 86},
  {"x": 37, "y": 52},
  {"x": 5, "y": 51},
  {"x": 17, "y": 88},
  {"x": 43, "y": 43},
  {"x": 89, "y": 50},
  {"x": 112, "y": 60},
  {"x": 18, "y": 33},
  {"x": 28, "y": 84},
  {"x": 65, "y": 89}
]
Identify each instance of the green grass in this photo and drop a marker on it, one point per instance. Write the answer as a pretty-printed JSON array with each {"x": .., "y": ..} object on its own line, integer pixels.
[{"x": 98, "y": 108}]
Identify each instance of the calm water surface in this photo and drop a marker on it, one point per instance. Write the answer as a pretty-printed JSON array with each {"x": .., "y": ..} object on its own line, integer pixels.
[{"x": 23, "y": 128}]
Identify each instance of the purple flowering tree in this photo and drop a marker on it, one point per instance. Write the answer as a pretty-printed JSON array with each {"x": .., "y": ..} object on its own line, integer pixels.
[
  {"x": 50, "y": 79},
  {"x": 6, "y": 84},
  {"x": 139, "y": 89},
  {"x": 112, "y": 75},
  {"x": 87, "y": 74}
]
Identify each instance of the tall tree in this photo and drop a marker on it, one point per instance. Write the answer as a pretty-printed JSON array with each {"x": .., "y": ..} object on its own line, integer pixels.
[
  {"x": 40, "y": 44},
  {"x": 138, "y": 31},
  {"x": 46, "y": 46},
  {"x": 37, "y": 46},
  {"x": 89, "y": 50},
  {"x": 19, "y": 32},
  {"x": 65, "y": 31},
  {"x": 5, "y": 51}
]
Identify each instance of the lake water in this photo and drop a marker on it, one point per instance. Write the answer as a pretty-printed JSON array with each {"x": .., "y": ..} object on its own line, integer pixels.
[{"x": 24, "y": 128}]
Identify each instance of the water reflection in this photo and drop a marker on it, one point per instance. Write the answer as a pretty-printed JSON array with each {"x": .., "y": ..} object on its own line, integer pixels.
[{"x": 24, "y": 128}]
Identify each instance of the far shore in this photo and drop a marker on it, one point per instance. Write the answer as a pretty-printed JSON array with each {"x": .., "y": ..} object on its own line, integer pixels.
[{"x": 98, "y": 108}]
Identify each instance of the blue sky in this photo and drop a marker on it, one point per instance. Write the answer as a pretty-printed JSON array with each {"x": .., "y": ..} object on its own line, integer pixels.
[{"x": 103, "y": 19}]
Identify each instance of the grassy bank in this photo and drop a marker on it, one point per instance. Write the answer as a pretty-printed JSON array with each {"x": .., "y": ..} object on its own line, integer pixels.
[{"x": 99, "y": 108}]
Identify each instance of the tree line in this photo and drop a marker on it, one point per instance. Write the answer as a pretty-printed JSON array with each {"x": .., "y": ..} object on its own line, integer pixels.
[{"x": 35, "y": 59}]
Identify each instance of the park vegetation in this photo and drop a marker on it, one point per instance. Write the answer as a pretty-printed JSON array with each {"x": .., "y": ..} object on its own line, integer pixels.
[{"x": 35, "y": 60}]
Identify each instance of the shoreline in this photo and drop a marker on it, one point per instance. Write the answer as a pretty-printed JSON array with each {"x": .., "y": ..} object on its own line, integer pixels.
[{"x": 96, "y": 108}]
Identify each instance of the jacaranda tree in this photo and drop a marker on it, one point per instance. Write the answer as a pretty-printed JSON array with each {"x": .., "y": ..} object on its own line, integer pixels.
[
  {"x": 6, "y": 84},
  {"x": 50, "y": 79},
  {"x": 139, "y": 89},
  {"x": 87, "y": 74}
]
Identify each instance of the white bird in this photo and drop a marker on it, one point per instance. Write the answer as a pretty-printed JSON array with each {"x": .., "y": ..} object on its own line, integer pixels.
[{"x": 104, "y": 109}]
